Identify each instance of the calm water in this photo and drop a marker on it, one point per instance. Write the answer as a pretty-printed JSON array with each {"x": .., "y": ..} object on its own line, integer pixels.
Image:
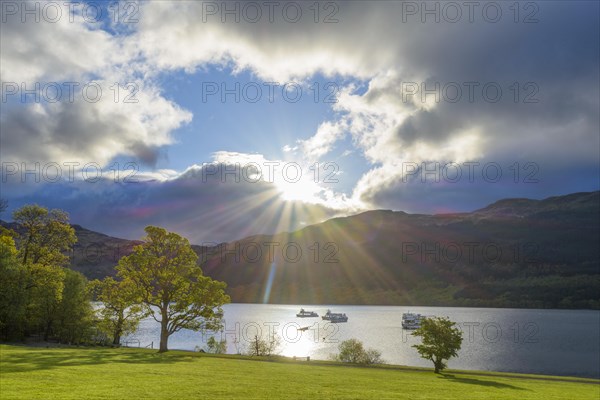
[{"x": 555, "y": 342}]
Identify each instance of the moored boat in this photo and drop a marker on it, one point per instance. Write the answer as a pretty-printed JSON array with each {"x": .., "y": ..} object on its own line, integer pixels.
[
  {"x": 411, "y": 320},
  {"x": 335, "y": 317},
  {"x": 339, "y": 318},
  {"x": 306, "y": 314}
]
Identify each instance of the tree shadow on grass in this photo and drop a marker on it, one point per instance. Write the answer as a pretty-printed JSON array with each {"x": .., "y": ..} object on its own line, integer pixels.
[
  {"x": 29, "y": 359},
  {"x": 480, "y": 382}
]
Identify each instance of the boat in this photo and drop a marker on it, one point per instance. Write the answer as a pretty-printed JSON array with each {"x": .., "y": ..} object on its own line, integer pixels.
[
  {"x": 335, "y": 317},
  {"x": 339, "y": 318},
  {"x": 306, "y": 314},
  {"x": 411, "y": 320}
]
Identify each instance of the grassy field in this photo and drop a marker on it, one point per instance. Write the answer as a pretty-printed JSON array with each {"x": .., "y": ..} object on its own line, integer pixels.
[{"x": 99, "y": 373}]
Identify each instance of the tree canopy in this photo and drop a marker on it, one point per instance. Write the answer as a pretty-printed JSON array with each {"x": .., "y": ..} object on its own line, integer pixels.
[
  {"x": 163, "y": 274},
  {"x": 120, "y": 313},
  {"x": 353, "y": 351},
  {"x": 441, "y": 341},
  {"x": 46, "y": 235},
  {"x": 38, "y": 294}
]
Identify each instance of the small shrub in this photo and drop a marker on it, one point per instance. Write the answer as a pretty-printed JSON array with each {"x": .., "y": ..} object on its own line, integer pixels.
[
  {"x": 216, "y": 346},
  {"x": 353, "y": 351},
  {"x": 263, "y": 347}
]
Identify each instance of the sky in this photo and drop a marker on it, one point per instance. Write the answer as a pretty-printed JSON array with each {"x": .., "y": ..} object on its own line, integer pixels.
[{"x": 219, "y": 120}]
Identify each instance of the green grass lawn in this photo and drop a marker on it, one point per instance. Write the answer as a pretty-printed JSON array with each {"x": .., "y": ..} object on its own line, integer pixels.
[{"x": 102, "y": 373}]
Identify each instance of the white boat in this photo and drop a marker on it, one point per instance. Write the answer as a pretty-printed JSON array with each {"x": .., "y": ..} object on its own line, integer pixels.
[
  {"x": 335, "y": 317},
  {"x": 411, "y": 320},
  {"x": 339, "y": 318},
  {"x": 306, "y": 314}
]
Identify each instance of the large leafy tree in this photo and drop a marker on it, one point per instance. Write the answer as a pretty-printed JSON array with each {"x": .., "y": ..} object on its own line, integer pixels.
[
  {"x": 441, "y": 340},
  {"x": 37, "y": 293},
  {"x": 44, "y": 240},
  {"x": 121, "y": 312},
  {"x": 46, "y": 235},
  {"x": 12, "y": 289},
  {"x": 163, "y": 274}
]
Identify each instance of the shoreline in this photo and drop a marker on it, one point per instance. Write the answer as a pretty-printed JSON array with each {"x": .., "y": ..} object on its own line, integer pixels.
[
  {"x": 315, "y": 362},
  {"x": 410, "y": 306}
]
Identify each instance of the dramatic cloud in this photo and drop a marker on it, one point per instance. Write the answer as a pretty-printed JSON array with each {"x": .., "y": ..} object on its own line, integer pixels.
[
  {"x": 215, "y": 202},
  {"x": 89, "y": 99},
  {"x": 448, "y": 92},
  {"x": 85, "y": 132},
  {"x": 54, "y": 49},
  {"x": 522, "y": 90}
]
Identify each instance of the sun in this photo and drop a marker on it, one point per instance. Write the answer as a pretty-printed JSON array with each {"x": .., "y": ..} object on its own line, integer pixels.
[{"x": 303, "y": 190}]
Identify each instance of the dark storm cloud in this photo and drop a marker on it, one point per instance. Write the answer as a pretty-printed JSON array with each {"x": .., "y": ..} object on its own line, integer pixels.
[{"x": 199, "y": 204}]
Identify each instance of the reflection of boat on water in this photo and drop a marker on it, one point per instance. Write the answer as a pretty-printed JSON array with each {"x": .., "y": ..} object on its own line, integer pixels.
[
  {"x": 335, "y": 317},
  {"x": 411, "y": 320},
  {"x": 306, "y": 314}
]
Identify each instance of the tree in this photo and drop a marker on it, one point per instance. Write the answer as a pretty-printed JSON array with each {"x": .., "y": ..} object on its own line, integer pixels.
[
  {"x": 45, "y": 285},
  {"x": 121, "y": 312},
  {"x": 259, "y": 346},
  {"x": 74, "y": 311},
  {"x": 37, "y": 293},
  {"x": 45, "y": 236},
  {"x": 353, "y": 351},
  {"x": 163, "y": 274},
  {"x": 441, "y": 340},
  {"x": 13, "y": 296},
  {"x": 3, "y": 205}
]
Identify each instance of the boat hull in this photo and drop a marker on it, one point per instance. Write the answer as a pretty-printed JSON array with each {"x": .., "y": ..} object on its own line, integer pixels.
[
  {"x": 306, "y": 314},
  {"x": 335, "y": 317},
  {"x": 411, "y": 321},
  {"x": 338, "y": 320}
]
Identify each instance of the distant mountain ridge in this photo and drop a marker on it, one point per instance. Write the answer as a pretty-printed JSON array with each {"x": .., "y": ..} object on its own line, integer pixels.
[
  {"x": 579, "y": 202},
  {"x": 512, "y": 253}
]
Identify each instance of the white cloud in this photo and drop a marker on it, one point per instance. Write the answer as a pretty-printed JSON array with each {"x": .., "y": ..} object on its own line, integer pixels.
[
  {"x": 323, "y": 140},
  {"x": 76, "y": 128},
  {"x": 368, "y": 44},
  {"x": 179, "y": 35},
  {"x": 86, "y": 132},
  {"x": 61, "y": 50}
]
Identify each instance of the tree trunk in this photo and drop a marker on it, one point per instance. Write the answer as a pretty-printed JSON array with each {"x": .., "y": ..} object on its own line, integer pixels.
[
  {"x": 164, "y": 332},
  {"x": 164, "y": 337},
  {"x": 117, "y": 331},
  {"x": 47, "y": 330},
  {"x": 438, "y": 365}
]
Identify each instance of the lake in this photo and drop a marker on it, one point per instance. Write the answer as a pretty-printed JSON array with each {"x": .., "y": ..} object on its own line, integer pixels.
[{"x": 553, "y": 342}]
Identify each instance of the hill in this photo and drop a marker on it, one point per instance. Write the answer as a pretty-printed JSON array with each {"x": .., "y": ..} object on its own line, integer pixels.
[{"x": 513, "y": 253}]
